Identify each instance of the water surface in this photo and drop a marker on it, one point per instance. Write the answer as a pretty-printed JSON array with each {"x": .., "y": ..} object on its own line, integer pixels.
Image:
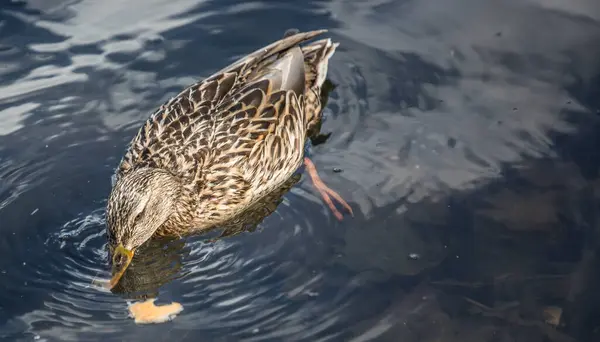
[{"x": 465, "y": 132}]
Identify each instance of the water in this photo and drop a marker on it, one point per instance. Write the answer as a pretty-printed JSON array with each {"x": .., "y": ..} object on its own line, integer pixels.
[{"x": 465, "y": 132}]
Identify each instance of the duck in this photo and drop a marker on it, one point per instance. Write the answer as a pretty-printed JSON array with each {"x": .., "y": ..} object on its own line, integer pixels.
[{"x": 220, "y": 146}]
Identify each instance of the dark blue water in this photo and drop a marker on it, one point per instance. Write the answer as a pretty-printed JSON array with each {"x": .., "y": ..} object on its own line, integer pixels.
[{"x": 466, "y": 132}]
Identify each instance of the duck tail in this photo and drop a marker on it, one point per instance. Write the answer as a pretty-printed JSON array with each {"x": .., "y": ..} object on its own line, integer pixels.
[{"x": 316, "y": 63}]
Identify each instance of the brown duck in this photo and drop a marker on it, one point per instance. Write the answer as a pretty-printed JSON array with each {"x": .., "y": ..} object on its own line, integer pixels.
[{"x": 220, "y": 146}]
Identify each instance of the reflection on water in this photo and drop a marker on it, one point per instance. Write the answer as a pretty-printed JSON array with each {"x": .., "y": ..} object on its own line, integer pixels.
[{"x": 463, "y": 131}]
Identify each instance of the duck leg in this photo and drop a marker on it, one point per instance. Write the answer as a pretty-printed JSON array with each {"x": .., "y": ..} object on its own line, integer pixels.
[{"x": 325, "y": 191}]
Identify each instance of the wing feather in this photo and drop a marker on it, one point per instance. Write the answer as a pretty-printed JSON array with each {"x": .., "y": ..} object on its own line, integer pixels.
[{"x": 248, "y": 116}]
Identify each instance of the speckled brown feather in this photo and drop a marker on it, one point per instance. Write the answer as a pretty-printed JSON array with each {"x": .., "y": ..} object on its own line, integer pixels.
[{"x": 235, "y": 136}]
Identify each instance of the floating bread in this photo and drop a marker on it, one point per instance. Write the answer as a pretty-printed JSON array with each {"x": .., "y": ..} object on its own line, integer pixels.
[{"x": 147, "y": 313}]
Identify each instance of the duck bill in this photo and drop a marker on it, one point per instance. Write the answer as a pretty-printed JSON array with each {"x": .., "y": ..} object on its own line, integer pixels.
[{"x": 121, "y": 260}]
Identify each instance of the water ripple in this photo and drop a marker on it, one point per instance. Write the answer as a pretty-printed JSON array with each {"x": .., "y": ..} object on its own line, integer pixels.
[{"x": 222, "y": 285}]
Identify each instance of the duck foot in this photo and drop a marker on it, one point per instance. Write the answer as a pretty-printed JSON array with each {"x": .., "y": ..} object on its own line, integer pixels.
[{"x": 325, "y": 191}]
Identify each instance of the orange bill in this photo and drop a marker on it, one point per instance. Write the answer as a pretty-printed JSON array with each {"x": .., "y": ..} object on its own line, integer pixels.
[{"x": 121, "y": 259}]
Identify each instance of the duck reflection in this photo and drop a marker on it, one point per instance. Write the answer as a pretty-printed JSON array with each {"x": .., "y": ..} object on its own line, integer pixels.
[{"x": 157, "y": 263}]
